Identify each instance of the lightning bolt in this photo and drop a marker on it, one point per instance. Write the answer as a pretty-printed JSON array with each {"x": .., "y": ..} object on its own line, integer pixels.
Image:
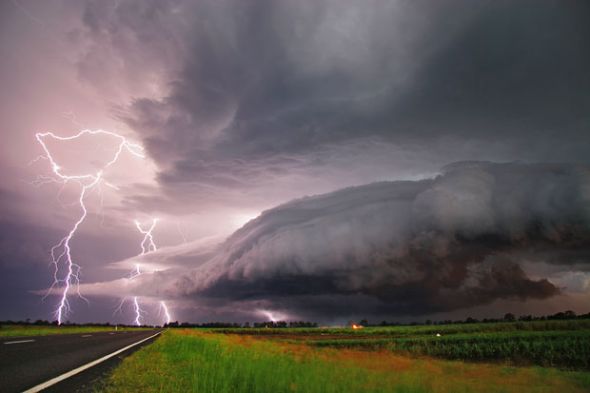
[
  {"x": 136, "y": 272},
  {"x": 61, "y": 252},
  {"x": 166, "y": 313},
  {"x": 147, "y": 245},
  {"x": 138, "y": 311},
  {"x": 273, "y": 316}
]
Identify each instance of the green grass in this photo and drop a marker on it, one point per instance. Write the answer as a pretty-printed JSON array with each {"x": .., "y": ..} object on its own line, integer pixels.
[
  {"x": 191, "y": 361},
  {"x": 32, "y": 330},
  {"x": 208, "y": 364},
  {"x": 564, "y": 344}
]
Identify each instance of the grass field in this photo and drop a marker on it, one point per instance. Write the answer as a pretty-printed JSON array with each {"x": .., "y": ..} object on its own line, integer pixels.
[
  {"x": 32, "y": 330},
  {"x": 563, "y": 344},
  {"x": 303, "y": 360}
]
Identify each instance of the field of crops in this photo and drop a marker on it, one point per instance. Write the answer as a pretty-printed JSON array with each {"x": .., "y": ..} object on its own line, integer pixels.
[
  {"x": 541, "y": 356},
  {"x": 563, "y": 349},
  {"x": 563, "y": 344}
]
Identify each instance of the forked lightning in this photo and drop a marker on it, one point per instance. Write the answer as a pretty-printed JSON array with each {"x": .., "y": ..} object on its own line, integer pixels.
[{"x": 61, "y": 252}]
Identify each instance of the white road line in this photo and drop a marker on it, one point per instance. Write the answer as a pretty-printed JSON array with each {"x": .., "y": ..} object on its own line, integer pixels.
[
  {"x": 87, "y": 335},
  {"x": 78, "y": 370},
  {"x": 111, "y": 333},
  {"x": 18, "y": 342}
]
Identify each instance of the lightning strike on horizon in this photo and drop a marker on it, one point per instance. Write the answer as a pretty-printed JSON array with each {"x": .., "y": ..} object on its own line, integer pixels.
[
  {"x": 167, "y": 316},
  {"x": 273, "y": 316},
  {"x": 87, "y": 182},
  {"x": 147, "y": 245},
  {"x": 138, "y": 311}
]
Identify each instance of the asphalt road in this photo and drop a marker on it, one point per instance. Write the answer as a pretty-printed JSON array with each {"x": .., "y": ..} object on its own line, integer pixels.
[{"x": 28, "y": 361}]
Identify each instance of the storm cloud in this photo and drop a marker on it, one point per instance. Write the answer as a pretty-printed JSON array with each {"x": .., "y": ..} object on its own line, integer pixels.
[
  {"x": 242, "y": 105},
  {"x": 270, "y": 92},
  {"x": 397, "y": 248}
]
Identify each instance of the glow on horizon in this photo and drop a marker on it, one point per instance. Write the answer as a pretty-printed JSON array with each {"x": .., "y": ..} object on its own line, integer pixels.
[{"x": 273, "y": 316}]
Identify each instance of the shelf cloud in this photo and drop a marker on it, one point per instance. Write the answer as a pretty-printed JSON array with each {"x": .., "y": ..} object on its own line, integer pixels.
[{"x": 398, "y": 248}]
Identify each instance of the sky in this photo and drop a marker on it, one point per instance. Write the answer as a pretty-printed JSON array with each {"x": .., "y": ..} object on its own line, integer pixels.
[{"x": 312, "y": 160}]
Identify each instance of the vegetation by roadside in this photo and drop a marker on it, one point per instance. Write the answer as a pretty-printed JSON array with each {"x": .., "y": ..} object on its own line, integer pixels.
[{"x": 196, "y": 361}]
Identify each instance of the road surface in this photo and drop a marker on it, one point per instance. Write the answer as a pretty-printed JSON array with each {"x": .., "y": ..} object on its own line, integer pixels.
[{"x": 26, "y": 362}]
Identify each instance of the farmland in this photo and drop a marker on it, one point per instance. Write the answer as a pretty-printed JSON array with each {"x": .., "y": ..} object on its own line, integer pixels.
[
  {"x": 541, "y": 356},
  {"x": 564, "y": 344}
]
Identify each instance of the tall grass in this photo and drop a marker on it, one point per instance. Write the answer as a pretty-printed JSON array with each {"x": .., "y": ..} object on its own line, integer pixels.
[
  {"x": 187, "y": 361},
  {"x": 197, "y": 363}
]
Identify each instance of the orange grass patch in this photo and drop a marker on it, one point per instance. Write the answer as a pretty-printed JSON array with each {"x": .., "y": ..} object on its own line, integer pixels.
[{"x": 442, "y": 376}]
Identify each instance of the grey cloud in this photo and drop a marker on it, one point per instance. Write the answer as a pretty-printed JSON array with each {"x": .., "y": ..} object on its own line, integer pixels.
[
  {"x": 265, "y": 83},
  {"x": 124, "y": 49},
  {"x": 266, "y": 80},
  {"x": 22, "y": 244},
  {"x": 410, "y": 247}
]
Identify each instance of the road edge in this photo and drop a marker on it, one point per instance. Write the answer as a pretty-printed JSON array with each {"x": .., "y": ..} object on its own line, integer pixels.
[{"x": 86, "y": 366}]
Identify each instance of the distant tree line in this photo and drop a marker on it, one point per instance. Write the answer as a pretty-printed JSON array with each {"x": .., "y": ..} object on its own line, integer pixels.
[
  {"x": 278, "y": 324},
  {"x": 508, "y": 317},
  {"x": 43, "y": 322}
]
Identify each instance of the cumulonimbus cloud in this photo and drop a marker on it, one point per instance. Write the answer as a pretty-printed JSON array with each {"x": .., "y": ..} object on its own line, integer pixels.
[{"x": 404, "y": 247}]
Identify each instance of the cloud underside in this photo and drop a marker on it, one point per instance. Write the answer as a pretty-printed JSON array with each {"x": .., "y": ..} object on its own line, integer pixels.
[
  {"x": 271, "y": 98},
  {"x": 397, "y": 248}
]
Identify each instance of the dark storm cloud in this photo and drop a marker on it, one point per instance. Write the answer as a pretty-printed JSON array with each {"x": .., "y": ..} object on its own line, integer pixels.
[
  {"x": 418, "y": 247},
  {"x": 25, "y": 244},
  {"x": 264, "y": 81},
  {"x": 23, "y": 263},
  {"x": 266, "y": 84},
  {"x": 516, "y": 74},
  {"x": 245, "y": 104}
]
